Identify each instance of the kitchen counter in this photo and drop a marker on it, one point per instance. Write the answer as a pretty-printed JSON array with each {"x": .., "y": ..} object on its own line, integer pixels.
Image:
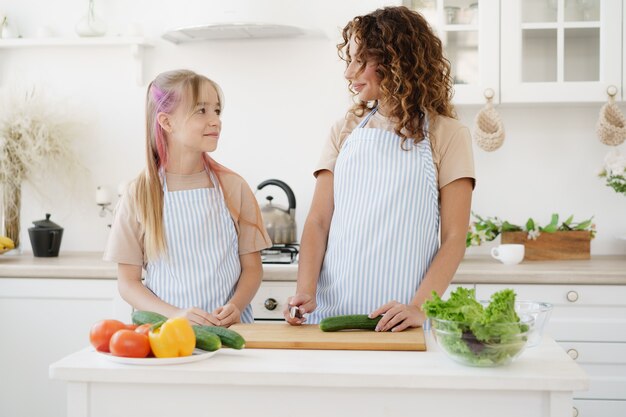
[
  {"x": 604, "y": 270},
  {"x": 323, "y": 382}
]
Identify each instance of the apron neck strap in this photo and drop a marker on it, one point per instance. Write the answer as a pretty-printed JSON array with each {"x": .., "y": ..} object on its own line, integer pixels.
[{"x": 367, "y": 118}]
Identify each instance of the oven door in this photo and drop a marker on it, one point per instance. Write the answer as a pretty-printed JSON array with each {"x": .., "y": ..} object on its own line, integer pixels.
[{"x": 269, "y": 302}]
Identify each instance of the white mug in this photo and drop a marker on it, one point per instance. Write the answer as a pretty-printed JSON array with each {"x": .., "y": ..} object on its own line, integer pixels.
[{"x": 508, "y": 254}]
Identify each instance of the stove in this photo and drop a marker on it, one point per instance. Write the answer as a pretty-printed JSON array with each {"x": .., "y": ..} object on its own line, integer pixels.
[{"x": 280, "y": 254}]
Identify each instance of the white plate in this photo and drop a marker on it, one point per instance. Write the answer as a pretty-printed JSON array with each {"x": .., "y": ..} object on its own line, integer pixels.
[{"x": 197, "y": 355}]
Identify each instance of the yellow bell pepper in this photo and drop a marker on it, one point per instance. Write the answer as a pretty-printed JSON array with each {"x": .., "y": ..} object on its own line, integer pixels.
[{"x": 174, "y": 338}]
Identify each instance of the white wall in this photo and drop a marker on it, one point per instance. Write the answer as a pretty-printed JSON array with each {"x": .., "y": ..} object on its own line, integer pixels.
[{"x": 282, "y": 95}]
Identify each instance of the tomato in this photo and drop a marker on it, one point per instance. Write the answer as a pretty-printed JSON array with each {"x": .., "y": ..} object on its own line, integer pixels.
[
  {"x": 101, "y": 332},
  {"x": 130, "y": 344},
  {"x": 144, "y": 328},
  {"x": 131, "y": 326}
]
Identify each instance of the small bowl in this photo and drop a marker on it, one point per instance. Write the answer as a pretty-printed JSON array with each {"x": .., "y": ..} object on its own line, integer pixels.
[{"x": 459, "y": 341}]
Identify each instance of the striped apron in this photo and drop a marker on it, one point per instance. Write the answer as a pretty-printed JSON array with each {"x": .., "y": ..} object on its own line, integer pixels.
[
  {"x": 384, "y": 232},
  {"x": 201, "y": 268}
]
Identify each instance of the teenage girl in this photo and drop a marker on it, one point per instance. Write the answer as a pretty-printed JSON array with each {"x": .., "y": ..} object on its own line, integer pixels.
[{"x": 192, "y": 224}]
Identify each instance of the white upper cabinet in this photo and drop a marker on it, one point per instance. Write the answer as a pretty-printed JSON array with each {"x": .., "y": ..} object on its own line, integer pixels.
[
  {"x": 560, "y": 50},
  {"x": 469, "y": 31}
]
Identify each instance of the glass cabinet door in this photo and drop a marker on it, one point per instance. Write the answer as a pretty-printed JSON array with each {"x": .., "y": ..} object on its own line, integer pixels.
[
  {"x": 469, "y": 31},
  {"x": 560, "y": 50}
]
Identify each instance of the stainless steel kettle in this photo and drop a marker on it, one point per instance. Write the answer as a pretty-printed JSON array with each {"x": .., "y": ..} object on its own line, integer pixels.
[{"x": 280, "y": 223}]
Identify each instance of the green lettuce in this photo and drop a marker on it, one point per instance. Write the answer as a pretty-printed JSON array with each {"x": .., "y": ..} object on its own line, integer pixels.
[{"x": 482, "y": 336}]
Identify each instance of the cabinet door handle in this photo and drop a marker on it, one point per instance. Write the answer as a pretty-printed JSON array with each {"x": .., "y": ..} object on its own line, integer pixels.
[
  {"x": 572, "y": 296},
  {"x": 574, "y": 412},
  {"x": 573, "y": 353},
  {"x": 270, "y": 304}
]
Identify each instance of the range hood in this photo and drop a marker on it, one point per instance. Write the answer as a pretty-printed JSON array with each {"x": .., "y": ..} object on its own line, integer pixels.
[{"x": 242, "y": 30}]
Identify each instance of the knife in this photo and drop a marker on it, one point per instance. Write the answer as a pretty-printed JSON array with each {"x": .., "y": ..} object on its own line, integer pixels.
[{"x": 294, "y": 312}]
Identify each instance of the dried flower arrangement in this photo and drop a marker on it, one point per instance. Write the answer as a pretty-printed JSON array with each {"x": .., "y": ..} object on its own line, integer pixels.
[{"x": 35, "y": 139}]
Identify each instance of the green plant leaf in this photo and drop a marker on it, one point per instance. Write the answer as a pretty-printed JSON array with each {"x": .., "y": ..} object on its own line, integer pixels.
[
  {"x": 530, "y": 225},
  {"x": 551, "y": 228},
  {"x": 508, "y": 227},
  {"x": 583, "y": 225},
  {"x": 555, "y": 220}
]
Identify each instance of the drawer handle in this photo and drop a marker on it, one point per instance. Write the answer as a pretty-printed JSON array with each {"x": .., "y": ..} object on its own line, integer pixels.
[
  {"x": 573, "y": 353},
  {"x": 572, "y": 296},
  {"x": 574, "y": 412},
  {"x": 270, "y": 304}
]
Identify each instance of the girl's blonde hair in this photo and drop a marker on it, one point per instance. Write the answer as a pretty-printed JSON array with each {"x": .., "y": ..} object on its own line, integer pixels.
[
  {"x": 165, "y": 94},
  {"x": 414, "y": 74}
]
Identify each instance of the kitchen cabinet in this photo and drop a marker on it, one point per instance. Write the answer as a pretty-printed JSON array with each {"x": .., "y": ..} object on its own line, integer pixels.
[
  {"x": 136, "y": 47},
  {"x": 560, "y": 50},
  {"x": 470, "y": 35},
  {"x": 44, "y": 320},
  {"x": 589, "y": 323},
  {"x": 530, "y": 51}
]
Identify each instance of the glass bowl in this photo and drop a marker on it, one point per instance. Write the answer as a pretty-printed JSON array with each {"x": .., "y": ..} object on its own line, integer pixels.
[
  {"x": 475, "y": 344},
  {"x": 538, "y": 310}
]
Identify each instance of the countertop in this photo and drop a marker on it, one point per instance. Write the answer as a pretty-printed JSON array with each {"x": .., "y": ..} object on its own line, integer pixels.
[
  {"x": 545, "y": 367},
  {"x": 603, "y": 270}
]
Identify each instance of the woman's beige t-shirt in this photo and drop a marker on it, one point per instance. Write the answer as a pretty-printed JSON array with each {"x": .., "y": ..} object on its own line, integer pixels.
[
  {"x": 126, "y": 240},
  {"x": 450, "y": 141}
]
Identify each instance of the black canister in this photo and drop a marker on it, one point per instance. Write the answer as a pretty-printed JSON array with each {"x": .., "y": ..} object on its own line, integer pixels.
[{"x": 45, "y": 238}]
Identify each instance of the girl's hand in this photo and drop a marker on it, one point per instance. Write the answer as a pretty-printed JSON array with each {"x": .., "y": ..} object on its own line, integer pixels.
[
  {"x": 305, "y": 304},
  {"x": 196, "y": 315},
  {"x": 398, "y": 317},
  {"x": 227, "y": 314}
]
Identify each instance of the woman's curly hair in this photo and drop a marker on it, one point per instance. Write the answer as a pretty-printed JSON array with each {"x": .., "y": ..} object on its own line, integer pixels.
[{"x": 414, "y": 75}]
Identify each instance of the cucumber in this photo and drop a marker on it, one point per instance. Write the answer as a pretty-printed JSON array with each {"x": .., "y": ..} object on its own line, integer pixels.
[
  {"x": 225, "y": 337},
  {"x": 229, "y": 338},
  {"x": 144, "y": 317},
  {"x": 352, "y": 321},
  {"x": 206, "y": 340}
]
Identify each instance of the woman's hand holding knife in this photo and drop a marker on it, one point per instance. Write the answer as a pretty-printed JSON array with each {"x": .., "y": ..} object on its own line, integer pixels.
[{"x": 297, "y": 306}]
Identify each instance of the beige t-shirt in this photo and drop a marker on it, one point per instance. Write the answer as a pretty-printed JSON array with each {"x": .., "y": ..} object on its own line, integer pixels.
[
  {"x": 126, "y": 240},
  {"x": 451, "y": 144}
]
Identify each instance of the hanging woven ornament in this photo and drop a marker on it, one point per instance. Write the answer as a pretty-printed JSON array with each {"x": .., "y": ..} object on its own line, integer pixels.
[
  {"x": 611, "y": 126},
  {"x": 488, "y": 128}
]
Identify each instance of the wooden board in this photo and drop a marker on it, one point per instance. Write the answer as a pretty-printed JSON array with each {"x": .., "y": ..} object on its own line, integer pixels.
[
  {"x": 309, "y": 336},
  {"x": 551, "y": 246}
]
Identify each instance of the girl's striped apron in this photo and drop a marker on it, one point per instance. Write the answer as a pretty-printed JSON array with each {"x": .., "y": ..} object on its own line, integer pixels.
[
  {"x": 202, "y": 267},
  {"x": 385, "y": 228}
]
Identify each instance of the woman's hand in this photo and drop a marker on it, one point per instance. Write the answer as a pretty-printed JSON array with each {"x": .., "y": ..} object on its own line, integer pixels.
[
  {"x": 196, "y": 315},
  {"x": 227, "y": 314},
  {"x": 398, "y": 317},
  {"x": 305, "y": 303}
]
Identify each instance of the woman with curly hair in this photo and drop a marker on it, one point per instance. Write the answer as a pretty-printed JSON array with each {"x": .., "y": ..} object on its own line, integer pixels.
[{"x": 391, "y": 207}]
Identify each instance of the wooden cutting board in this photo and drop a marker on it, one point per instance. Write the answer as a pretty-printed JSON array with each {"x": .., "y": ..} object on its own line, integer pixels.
[{"x": 309, "y": 336}]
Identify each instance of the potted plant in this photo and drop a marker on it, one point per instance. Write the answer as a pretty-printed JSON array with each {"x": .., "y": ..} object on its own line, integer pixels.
[{"x": 567, "y": 240}]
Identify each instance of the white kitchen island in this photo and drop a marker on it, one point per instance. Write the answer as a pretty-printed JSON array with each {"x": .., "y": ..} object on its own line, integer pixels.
[{"x": 323, "y": 383}]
